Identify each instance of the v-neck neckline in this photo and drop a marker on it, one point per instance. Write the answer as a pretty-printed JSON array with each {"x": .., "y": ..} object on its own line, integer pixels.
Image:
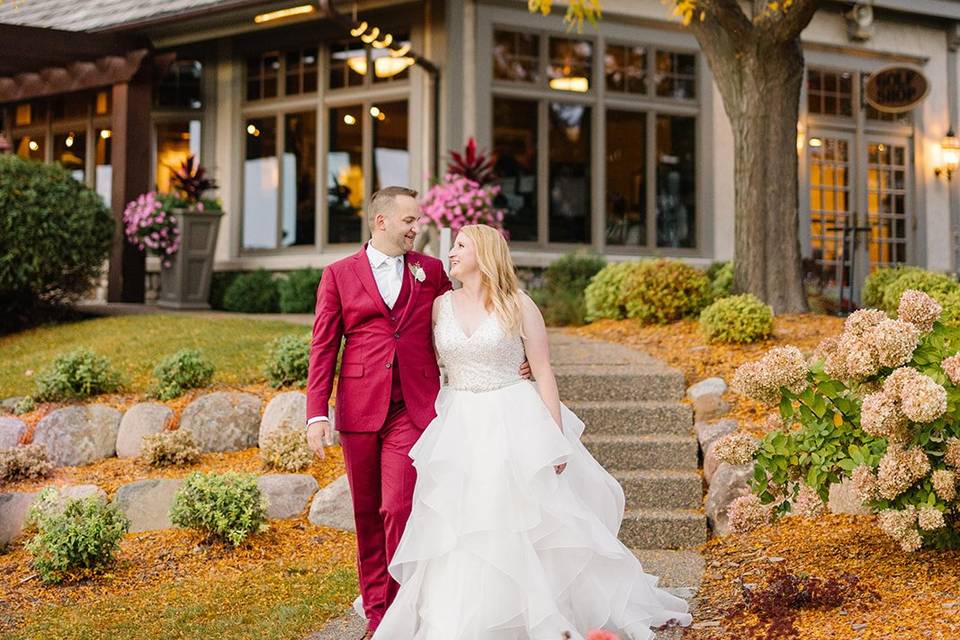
[{"x": 453, "y": 315}]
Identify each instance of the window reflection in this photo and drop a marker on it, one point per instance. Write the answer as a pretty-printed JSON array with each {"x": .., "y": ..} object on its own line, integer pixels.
[
  {"x": 676, "y": 181},
  {"x": 260, "y": 184},
  {"x": 70, "y": 151},
  {"x": 626, "y": 178},
  {"x": 299, "y": 178},
  {"x": 516, "y": 56},
  {"x": 625, "y": 69},
  {"x": 391, "y": 156},
  {"x": 103, "y": 172},
  {"x": 180, "y": 86},
  {"x": 29, "y": 147},
  {"x": 345, "y": 175},
  {"x": 569, "y": 212},
  {"x": 175, "y": 141},
  {"x": 569, "y": 66},
  {"x": 348, "y": 65},
  {"x": 676, "y": 75},
  {"x": 515, "y": 151}
]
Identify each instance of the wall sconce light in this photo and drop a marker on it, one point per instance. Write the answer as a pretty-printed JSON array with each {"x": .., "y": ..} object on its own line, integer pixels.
[{"x": 949, "y": 155}]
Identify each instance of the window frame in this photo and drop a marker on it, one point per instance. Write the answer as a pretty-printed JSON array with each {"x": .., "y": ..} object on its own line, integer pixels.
[
  {"x": 491, "y": 19},
  {"x": 366, "y": 95}
]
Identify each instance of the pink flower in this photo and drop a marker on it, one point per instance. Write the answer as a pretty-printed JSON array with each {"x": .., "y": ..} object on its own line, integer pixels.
[{"x": 601, "y": 634}]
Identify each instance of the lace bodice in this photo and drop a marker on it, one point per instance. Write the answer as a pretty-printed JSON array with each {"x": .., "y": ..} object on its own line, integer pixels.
[{"x": 486, "y": 360}]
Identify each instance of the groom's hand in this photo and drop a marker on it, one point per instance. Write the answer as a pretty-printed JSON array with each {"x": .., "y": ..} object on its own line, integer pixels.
[
  {"x": 318, "y": 434},
  {"x": 525, "y": 372}
]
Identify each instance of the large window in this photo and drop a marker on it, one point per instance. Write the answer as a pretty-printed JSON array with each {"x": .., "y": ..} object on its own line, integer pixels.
[
  {"x": 366, "y": 140},
  {"x": 549, "y": 94}
]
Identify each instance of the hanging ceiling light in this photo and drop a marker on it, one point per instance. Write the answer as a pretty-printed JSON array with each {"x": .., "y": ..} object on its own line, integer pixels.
[{"x": 299, "y": 10}]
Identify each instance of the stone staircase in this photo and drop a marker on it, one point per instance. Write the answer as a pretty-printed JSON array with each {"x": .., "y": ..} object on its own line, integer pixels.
[{"x": 639, "y": 430}]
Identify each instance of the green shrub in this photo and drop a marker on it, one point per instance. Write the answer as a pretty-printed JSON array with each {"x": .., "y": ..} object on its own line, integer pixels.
[
  {"x": 26, "y": 405},
  {"x": 938, "y": 285},
  {"x": 665, "y": 290},
  {"x": 186, "y": 369},
  {"x": 55, "y": 235},
  {"x": 227, "y": 507},
  {"x": 75, "y": 375},
  {"x": 876, "y": 283},
  {"x": 220, "y": 281},
  {"x": 169, "y": 449},
  {"x": 721, "y": 279},
  {"x": 604, "y": 295},
  {"x": 24, "y": 463},
  {"x": 742, "y": 318},
  {"x": 562, "y": 296},
  {"x": 287, "y": 451},
  {"x": 74, "y": 534},
  {"x": 288, "y": 361},
  {"x": 298, "y": 291},
  {"x": 253, "y": 292}
]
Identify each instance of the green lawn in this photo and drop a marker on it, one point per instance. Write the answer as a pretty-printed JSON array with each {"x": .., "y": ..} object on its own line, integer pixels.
[
  {"x": 264, "y": 603},
  {"x": 135, "y": 344}
]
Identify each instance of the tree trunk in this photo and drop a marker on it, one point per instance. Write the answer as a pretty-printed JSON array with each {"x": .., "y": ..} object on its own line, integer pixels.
[{"x": 760, "y": 84}]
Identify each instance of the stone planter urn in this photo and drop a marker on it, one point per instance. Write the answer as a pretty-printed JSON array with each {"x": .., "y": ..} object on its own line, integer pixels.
[{"x": 185, "y": 284}]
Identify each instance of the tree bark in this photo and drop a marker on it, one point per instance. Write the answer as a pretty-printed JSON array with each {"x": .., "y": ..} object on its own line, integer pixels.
[{"x": 758, "y": 66}]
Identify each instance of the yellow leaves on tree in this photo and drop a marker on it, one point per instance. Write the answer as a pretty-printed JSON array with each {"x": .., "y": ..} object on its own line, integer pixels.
[{"x": 577, "y": 12}]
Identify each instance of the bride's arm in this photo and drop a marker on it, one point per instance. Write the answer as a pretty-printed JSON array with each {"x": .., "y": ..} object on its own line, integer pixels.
[{"x": 538, "y": 355}]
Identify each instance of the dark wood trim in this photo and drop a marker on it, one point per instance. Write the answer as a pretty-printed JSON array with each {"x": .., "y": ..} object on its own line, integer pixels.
[{"x": 131, "y": 177}]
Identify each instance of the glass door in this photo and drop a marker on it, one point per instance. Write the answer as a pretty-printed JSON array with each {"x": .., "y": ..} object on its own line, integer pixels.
[
  {"x": 831, "y": 217},
  {"x": 888, "y": 200}
]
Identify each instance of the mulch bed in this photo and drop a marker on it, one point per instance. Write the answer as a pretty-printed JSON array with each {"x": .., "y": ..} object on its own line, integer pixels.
[{"x": 898, "y": 596}]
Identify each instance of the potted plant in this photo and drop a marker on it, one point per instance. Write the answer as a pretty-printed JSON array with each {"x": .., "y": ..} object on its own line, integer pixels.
[
  {"x": 181, "y": 228},
  {"x": 463, "y": 196}
]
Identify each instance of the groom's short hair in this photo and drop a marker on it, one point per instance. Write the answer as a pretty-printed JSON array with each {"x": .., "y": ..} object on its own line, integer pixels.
[{"x": 382, "y": 200}]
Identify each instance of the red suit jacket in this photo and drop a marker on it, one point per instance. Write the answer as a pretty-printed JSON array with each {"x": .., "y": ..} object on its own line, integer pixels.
[{"x": 349, "y": 305}]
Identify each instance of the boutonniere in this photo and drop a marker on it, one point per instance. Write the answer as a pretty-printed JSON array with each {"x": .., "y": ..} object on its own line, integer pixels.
[{"x": 417, "y": 271}]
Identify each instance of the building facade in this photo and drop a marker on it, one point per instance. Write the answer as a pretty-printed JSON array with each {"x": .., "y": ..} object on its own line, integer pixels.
[{"x": 613, "y": 139}]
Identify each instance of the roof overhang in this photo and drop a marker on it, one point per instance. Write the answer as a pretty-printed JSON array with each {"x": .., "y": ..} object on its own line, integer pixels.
[{"x": 40, "y": 62}]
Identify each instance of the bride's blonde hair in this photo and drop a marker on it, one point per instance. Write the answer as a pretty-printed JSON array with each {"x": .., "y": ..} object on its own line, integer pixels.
[{"x": 498, "y": 278}]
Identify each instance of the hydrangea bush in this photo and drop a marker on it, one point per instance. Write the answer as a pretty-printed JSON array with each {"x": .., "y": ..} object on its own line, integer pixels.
[{"x": 879, "y": 404}]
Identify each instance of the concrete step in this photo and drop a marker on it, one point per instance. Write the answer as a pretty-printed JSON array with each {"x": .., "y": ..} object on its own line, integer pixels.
[
  {"x": 647, "y": 451},
  {"x": 618, "y": 382},
  {"x": 661, "y": 488},
  {"x": 631, "y": 417},
  {"x": 677, "y": 568},
  {"x": 663, "y": 528}
]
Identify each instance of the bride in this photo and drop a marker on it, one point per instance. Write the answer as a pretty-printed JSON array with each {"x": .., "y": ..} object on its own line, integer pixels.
[{"x": 513, "y": 532}]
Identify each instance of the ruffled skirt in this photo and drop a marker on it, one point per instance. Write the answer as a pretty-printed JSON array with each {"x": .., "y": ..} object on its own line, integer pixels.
[{"x": 500, "y": 547}]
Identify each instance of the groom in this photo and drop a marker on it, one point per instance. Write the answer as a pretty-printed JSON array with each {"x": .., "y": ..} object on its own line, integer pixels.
[{"x": 379, "y": 300}]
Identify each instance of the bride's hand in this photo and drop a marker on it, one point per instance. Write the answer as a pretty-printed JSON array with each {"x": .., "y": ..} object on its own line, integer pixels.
[{"x": 560, "y": 467}]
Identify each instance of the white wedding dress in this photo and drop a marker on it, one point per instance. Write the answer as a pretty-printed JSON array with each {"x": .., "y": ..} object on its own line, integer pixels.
[{"x": 498, "y": 546}]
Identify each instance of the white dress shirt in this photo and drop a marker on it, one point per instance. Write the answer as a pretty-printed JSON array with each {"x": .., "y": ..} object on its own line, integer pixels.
[{"x": 388, "y": 272}]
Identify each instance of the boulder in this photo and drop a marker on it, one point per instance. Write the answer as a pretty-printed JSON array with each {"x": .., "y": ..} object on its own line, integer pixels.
[
  {"x": 287, "y": 494},
  {"x": 709, "y": 407},
  {"x": 140, "y": 420},
  {"x": 147, "y": 503},
  {"x": 77, "y": 491},
  {"x": 13, "y": 514},
  {"x": 710, "y": 432},
  {"x": 333, "y": 506},
  {"x": 9, "y": 405},
  {"x": 285, "y": 412},
  {"x": 11, "y": 430},
  {"x": 223, "y": 421},
  {"x": 79, "y": 434},
  {"x": 843, "y": 499},
  {"x": 729, "y": 482},
  {"x": 709, "y": 386}
]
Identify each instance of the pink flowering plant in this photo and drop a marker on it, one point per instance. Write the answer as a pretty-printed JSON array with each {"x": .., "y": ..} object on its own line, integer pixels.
[
  {"x": 149, "y": 225},
  {"x": 465, "y": 195},
  {"x": 878, "y": 404},
  {"x": 150, "y": 221}
]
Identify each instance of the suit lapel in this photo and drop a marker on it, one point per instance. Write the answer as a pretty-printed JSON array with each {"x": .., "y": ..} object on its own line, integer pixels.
[
  {"x": 414, "y": 287},
  {"x": 361, "y": 266}
]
